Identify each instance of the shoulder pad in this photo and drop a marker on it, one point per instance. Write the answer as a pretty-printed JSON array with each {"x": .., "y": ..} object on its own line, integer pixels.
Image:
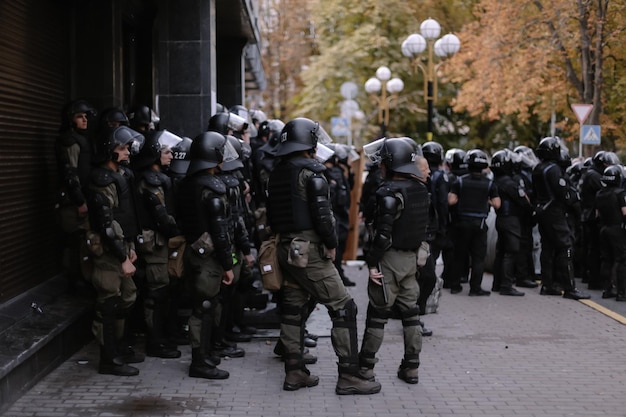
[
  {"x": 213, "y": 183},
  {"x": 102, "y": 177},
  {"x": 310, "y": 164},
  {"x": 230, "y": 180},
  {"x": 152, "y": 178},
  {"x": 67, "y": 138}
]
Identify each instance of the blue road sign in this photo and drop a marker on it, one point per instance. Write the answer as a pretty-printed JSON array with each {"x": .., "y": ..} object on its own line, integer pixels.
[
  {"x": 590, "y": 134},
  {"x": 340, "y": 126}
]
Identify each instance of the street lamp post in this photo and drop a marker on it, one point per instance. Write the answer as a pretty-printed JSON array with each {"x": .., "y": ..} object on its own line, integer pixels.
[
  {"x": 383, "y": 84},
  {"x": 443, "y": 48},
  {"x": 349, "y": 107}
]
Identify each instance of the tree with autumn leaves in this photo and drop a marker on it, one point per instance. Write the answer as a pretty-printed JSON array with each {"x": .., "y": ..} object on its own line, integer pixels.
[{"x": 520, "y": 63}]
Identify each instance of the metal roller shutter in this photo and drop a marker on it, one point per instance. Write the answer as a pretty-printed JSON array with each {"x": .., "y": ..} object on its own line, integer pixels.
[{"x": 33, "y": 73}]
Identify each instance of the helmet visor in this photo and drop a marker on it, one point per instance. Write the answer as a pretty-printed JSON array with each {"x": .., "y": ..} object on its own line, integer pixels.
[
  {"x": 137, "y": 143},
  {"x": 323, "y": 153},
  {"x": 372, "y": 150},
  {"x": 237, "y": 123},
  {"x": 229, "y": 152},
  {"x": 321, "y": 135},
  {"x": 168, "y": 139}
]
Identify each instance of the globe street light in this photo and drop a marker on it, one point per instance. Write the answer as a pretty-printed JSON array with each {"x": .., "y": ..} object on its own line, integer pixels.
[
  {"x": 349, "y": 107},
  {"x": 383, "y": 84},
  {"x": 443, "y": 48}
]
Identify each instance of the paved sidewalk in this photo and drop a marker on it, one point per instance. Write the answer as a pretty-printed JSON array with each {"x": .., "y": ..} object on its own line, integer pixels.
[{"x": 489, "y": 356}]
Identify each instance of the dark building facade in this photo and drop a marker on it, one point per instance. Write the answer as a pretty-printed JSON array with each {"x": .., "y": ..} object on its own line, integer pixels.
[{"x": 178, "y": 57}]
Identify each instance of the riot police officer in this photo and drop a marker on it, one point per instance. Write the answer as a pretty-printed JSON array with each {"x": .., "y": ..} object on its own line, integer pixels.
[
  {"x": 515, "y": 205},
  {"x": 142, "y": 118},
  {"x": 340, "y": 181},
  {"x": 230, "y": 303},
  {"x": 439, "y": 188},
  {"x": 158, "y": 226},
  {"x": 115, "y": 225},
  {"x": 299, "y": 211},
  {"x": 456, "y": 167},
  {"x": 553, "y": 196},
  {"x": 74, "y": 151},
  {"x": 610, "y": 206},
  {"x": 473, "y": 194},
  {"x": 589, "y": 186},
  {"x": 524, "y": 262},
  {"x": 203, "y": 215},
  {"x": 401, "y": 218}
]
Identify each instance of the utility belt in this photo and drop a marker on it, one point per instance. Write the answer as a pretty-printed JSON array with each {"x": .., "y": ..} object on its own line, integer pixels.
[
  {"x": 149, "y": 240},
  {"x": 474, "y": 219}
]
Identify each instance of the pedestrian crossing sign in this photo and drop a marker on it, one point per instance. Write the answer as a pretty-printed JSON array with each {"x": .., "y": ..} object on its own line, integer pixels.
[{"x": 590, "y": 134}]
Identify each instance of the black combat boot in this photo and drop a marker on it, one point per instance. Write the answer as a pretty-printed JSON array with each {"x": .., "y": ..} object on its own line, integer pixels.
[
  {"x": 156, "y": 345},
  {"x": 111, "y": 363},
  {"x": 351, "y": 382},
  {"x": 203, "y": 367},
  {"x": 297, "y": 375},
  {"x": 201, "y": 364},
  {"x": 407, "y": 371}
]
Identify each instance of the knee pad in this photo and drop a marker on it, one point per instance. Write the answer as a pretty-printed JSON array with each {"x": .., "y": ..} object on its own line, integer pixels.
[
  {"x": 347, "y": 313},
  {"x": 292, "y": 315},
  {"x": 110, "y": 306},
  {"x": 202, "y": 307},
  {"x": 411, "y": 312},
  {"x": 410, "y": 317}
]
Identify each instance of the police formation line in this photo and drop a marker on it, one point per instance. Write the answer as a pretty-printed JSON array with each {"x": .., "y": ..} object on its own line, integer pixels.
[{"x": 154, "y": 221}]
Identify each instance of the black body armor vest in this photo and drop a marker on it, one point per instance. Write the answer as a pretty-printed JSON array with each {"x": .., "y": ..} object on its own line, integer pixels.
[
  {"x": 192, "y": 213},
  {"x": 608, "y": 205},
  {"x": 288, "y": 211},
  {"x": 474, "y": 196},
  {"x": 409, "y": 230}
]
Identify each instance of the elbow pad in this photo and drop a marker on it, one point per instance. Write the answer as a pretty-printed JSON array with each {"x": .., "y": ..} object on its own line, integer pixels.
[
  {"x": 387, "y": 211},
  {"x": 165, "y": 222},
  {"x": 74, "y": 187},
  {"x": 321, "y": 211},
  {"x": 218, "y": 224},
  {"x": 104, "y": 223}
]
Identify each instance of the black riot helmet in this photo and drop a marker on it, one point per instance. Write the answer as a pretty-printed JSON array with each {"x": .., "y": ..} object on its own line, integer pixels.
[
  {"x": 549, "y": 149},
  {"x": 400, "y": 156},
  {"x": 245, "y": 114},
  {"x": 565, "y": 161},
  {"x": 528, "y": 159},
  {"x": 433, "y": 152},
  {"x": 603, "y": 159},
  {"x": 264, "y": 130},
  {"x": 301, "y": 134},
  {"x": 476, "y": 160},
  {"x": 151, "y": 151},
  {"x": 113, "y": 117},
  {"x": 612, "y": 176},
  {"x": 72, "y": 108},
  {"x": 235, "y": 164},
  {"x": 258, "y": 116},
  {"x": 240, "y": 111},
  {"x": 503, "y": 162},
  {"x": 224, "y": 122},
  {"x": 597, "y": 161},
  {"x": 455, "y": 158},
  {"x": 112, "y": 138},
  {"x": 140, "y": 117},
  {"x": 181, "y": 156},
  {"x": 208, "y": 150},
  {"x": 274, "y": 128},
  {"x": 575, "y": 170}
]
